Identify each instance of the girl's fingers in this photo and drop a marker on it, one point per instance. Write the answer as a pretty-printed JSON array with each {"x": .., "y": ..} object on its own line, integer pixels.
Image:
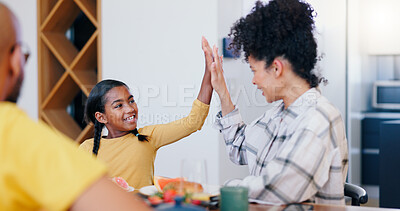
[
  {"x": 205, "y": 45},
  {"x": 206, "y": 48}
]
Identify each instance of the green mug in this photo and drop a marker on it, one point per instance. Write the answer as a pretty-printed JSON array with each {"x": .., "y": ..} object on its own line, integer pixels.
[{"x": 234, "y": 198}]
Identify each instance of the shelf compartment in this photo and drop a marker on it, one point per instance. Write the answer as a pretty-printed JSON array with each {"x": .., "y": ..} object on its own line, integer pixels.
[
  {"x": 50, "y": 73},
  {"x": 86, "y": 79},
  {"x": 89, "y": 8},
  {"x": 60, "y": 119},
  {"x": 61, "y": 17},
  {"x": 61, "y": 47},
  {"x": 62, "y": 94},
  {"x": 45, "y": 7},
  {"x": 59, "y": 40},
  {"x": 55, "y": 107},
  {"x": 85, "y": 66}
]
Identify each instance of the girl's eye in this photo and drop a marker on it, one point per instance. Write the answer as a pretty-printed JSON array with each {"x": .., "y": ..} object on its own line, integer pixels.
[
  {"x": 118, "y": 106},
  {"x": 132, "y": 101}
]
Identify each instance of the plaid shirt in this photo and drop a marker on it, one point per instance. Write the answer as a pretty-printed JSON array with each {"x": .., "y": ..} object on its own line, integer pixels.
[{"x": 294, "y": 155}]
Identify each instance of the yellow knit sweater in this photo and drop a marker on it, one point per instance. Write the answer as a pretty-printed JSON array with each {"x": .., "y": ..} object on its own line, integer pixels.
[{"x": 133, "y": 160}]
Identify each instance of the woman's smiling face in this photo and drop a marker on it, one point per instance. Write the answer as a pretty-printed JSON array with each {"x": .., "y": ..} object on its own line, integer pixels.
[
  {"x": 120, "y": 112},
  {"x": 264, "y": 79}
]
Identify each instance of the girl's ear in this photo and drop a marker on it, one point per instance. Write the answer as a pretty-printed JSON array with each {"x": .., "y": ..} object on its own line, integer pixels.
[{"x": 101, "y": 117}]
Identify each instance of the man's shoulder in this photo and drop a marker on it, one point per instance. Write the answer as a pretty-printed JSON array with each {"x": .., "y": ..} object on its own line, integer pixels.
[
  {"x": 12, "y": 115},
  {"x": 8, "y": 109}
]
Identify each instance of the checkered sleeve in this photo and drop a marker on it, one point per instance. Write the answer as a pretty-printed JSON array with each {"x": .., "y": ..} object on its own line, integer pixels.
[
  {"x": 232, "y": 128},
  {"x": 297, "y": 173}
]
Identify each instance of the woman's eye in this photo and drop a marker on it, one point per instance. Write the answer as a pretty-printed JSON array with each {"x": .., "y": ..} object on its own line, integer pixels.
[
  {"x": 132, "y": 101},
  {"x": 118, "y": 106}
]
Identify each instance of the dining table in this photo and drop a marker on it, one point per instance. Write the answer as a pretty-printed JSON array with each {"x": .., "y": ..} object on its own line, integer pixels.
[
  {"x": 310, "y": 206},
  {"x": 303, "y": 207}
]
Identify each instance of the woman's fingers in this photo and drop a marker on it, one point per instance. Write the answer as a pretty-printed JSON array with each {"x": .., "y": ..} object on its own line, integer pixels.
[
  {"x": 215, "y": 80},
  {"x": 213, "y": 72},
  {"x": 222, "y": 62},
  {"x": 217, "y": 61}
]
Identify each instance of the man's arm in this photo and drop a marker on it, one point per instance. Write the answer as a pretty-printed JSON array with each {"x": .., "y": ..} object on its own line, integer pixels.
[{"x": 105, "y": 195}]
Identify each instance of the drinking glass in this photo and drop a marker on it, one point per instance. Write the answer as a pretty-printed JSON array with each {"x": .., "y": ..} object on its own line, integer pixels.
[{"x": 195, "y": 170}]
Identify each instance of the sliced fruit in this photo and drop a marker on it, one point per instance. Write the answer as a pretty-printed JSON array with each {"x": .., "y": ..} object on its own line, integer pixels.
[
  {"x": 160, "y": 182},
  {"x": 121, "y": 182}
]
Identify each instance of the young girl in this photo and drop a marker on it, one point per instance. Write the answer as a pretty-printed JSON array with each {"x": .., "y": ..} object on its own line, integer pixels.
[{"x": 130, "y": 152}]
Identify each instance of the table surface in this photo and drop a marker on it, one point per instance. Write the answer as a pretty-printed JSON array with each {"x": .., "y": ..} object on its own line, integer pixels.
[
  {"x": 318, "y": 207},
  {"x": 306, "y": 206}
]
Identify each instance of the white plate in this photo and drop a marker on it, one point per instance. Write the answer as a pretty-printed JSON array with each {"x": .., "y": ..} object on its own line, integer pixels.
[
  {"x": 213, "y": 190},
  {"x": 148, "y": 190}
]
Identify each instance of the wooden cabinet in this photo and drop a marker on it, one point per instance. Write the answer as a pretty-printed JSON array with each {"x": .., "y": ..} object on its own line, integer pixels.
[{"x": 69, "y": 60}]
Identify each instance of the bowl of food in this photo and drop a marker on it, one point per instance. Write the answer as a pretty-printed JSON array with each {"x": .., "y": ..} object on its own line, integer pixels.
[{"x": 166, "y": 189}]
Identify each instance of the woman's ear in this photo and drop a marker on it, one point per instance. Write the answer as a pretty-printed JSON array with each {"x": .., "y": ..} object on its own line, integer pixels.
[
  {"x": 101, "y": 117},
  {"x": 277, "y": 67}
]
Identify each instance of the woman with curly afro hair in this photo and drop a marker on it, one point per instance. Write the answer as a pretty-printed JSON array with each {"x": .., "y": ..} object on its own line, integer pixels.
[{"x": 297, "y": 150}]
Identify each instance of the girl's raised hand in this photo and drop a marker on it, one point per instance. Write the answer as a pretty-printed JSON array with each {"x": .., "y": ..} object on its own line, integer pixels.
[{"x": 207, "y": 53}]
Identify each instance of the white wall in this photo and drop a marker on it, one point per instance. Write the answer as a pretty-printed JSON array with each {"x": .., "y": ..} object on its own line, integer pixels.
[
  {"x": 26, "y": 14},
  {"x": 331, "y": 39}
]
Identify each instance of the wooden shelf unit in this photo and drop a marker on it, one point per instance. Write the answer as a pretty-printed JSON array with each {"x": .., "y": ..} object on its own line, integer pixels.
[{"x": 65, "y": 69}]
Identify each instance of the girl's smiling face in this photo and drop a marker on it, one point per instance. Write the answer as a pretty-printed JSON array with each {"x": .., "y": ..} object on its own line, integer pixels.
[{"x": 120, "y": 112}]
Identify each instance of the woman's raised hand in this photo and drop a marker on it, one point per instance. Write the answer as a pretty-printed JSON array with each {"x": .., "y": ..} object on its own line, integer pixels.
[
  {"x": 217, "y": 74},
  {"x": 219, "y": 85},
  {"x": 214, "y": 68}
]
